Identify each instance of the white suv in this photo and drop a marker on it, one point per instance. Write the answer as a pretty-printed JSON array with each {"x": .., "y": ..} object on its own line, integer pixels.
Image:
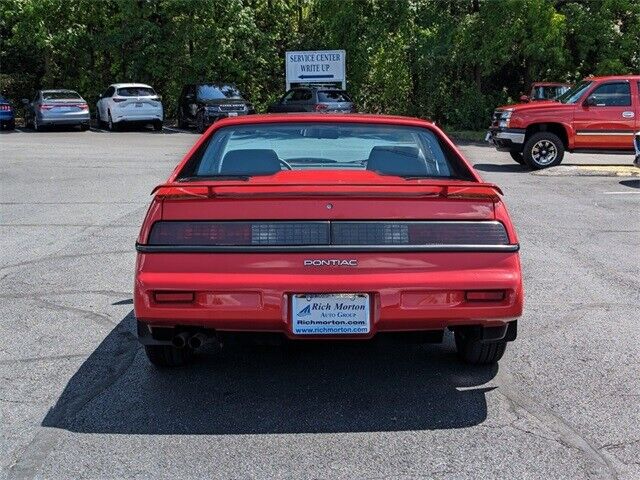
[{"x": 129, "y": 102}]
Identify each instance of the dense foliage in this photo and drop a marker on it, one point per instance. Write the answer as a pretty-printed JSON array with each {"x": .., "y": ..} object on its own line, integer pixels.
[{"x": 450, "y": 60}]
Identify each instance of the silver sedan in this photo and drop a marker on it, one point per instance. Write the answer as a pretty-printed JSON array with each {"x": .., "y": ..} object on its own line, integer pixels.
[{"x": 57, "y": 107}]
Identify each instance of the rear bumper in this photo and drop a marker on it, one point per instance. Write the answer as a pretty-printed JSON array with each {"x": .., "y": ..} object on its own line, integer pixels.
[
  {"x": 210, "y": 117},
  {"x": 408, "y": 292},
  {"x": 79, "y": 118}
]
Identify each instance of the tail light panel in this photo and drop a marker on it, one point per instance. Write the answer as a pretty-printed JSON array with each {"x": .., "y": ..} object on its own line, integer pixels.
[
  {"x": 328, "y": 235},
  {"x": 5, "y": 108}
]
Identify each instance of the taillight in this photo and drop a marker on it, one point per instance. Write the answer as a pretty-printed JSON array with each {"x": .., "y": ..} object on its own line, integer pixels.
[
  {"x": 485, "y": 295},
  {"x": 341, "y": 234},
  {"x": 321, "y": 107},
  {"x": 45, "y": 106},
  {"x": 420, "y": 233},
  {"x": 118, "y": 99},
  {"x": 82, "y": 106},
  {"x": 5, "y": 108},
  {"x": 239, "y": 233}
]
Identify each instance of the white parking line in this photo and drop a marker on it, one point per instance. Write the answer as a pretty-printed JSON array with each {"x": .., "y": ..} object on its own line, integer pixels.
[{"x": 621, "y": 193}]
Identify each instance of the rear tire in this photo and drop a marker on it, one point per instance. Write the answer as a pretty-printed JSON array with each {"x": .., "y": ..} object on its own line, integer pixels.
[
  {"x": 200, "y": 123},
  {"x": 36, "y": 126},
  {"x": 84, "y": 127},
  {"x": 168, "y": 355},
  {"x": 475, "y": 352},
  {"x": 543, "y": 150},
  {"x": 181, "y": 123},
  {"x": 517, "y": 157},
  {"x": 110, "y": 124},
  {"x": 157, "y": 126}
]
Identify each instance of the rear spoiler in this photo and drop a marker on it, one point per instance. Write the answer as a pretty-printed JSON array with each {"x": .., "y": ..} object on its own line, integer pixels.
[{"x": 460, "y": 190}]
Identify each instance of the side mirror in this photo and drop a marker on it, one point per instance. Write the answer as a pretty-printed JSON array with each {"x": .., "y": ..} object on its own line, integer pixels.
[
  {"x": 25, "y": 101},
  {"x": 524, "y": 98},
  {"x": 636, "y": 143},
  {"x": 590, "y": 102}
]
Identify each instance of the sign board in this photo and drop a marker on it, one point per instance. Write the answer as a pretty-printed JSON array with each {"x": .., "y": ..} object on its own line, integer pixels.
[{"x": 322, "y": 66}]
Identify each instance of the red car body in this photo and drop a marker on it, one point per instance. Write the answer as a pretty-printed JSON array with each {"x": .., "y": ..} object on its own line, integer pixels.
[
  {"x": 602, "y": 115},
  {"x": 250, "y": 290}
]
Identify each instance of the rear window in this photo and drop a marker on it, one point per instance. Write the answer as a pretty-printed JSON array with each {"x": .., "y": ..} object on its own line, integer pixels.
[
  {"x": 136, "y": 92},
  {"x": 333, "y": 96},
  {"x": 265, "y": 149},
  {"x": 60, "y": 96}
]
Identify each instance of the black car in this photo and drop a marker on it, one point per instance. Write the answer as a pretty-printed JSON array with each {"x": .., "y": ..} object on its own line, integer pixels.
[
  {"x": 203, "y": 103},
  {"x": 313, "y": 99}
]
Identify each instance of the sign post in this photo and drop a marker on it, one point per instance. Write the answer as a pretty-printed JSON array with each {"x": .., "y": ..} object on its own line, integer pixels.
[{"x": 322, "y": 66}]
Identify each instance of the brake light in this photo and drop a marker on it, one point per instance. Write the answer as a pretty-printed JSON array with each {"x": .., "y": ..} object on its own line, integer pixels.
[
  {"x": 182, "y": 193},
  {"x": 485, "y": 295},
  {"x": 174, "y": 297},
  {"x": 5, "y": 108},
  {"x": 82, "y": 106},
  {"x": 118, "y": 99},
  {"x": 321, "y": 107},
  {"x": 417, "y": 234},
  {"x": 45, "y": 106},
  {"x": 420, "y": 233}
]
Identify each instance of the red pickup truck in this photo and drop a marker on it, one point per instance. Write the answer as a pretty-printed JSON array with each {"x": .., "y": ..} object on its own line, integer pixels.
[{"x": 597, "y": 114}]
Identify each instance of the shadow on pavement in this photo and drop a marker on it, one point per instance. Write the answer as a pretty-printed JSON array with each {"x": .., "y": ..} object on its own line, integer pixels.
[
  {"x": 256, "y": 390},
  {"x": 630, "y": 183},
  {"x": 498, "y": 167}
]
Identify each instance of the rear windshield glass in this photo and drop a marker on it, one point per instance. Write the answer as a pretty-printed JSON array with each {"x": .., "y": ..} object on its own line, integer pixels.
[
  {"x": 265, "y": 149},
  {"x": 548, "y": 93},
  {"x": 60, "y": 96},
  {"x": 217, "y": 92},
  {"x": 333, "y": 96},
  {"x": 136, "y": 92}
]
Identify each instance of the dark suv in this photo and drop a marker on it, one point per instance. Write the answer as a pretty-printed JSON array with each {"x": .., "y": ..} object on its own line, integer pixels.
[
  {"x": 313, "y": 99},
  {"x": 203, "y": 103}
]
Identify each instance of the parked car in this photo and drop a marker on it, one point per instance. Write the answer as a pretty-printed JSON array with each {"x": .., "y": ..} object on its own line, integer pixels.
[
  {"x": 314, "y": 99},
  {"x": 326, "y": 227},
  {"x": 202, "y": 104},
  {"x": 545, "y": 91},
  {"x": 56, "y": 107},
  {"x": 129, "y": 103},
  {"x": 7, "y": 115},
  {"x": 598, "y": 113}
]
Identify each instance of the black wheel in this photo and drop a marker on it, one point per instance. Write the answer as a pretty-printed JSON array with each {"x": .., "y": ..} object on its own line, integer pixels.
[
  {"x": 517, "y": 157},
  {"x": 168, "y": 355},
  {"x": 110, "y": 124},
  {"x": 200, "y": 122},
  {"x": 157, "y": 126},
  {"x": 84, "y": 127},
  {"x": 543, "y": 150},
  {"x": 98, "y": 120},
  {"x": 475, "y": 352},
  {"x": 181, "y": 122},
  {"x": 36, "y": 126}
]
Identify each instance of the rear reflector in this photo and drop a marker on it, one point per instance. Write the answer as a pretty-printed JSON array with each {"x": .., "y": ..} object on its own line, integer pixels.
[
  {"x": 330, "y": 234},
  {"x": 485, "y": 296},
  {"x": 5, "y": 108},
  {"x": 174, "y": 297}
]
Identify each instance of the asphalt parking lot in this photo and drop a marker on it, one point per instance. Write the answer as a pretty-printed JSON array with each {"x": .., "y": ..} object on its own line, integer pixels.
[{"x": 80, "y": 400}]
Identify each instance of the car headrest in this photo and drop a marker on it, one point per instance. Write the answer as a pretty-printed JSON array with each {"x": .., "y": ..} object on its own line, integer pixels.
[
  {"x": 401, "y": 161},
  {"x": 252, "y": 161}
]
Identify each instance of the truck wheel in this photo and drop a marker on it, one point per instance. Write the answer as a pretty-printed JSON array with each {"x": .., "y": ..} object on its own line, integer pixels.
[
  {"x": 168, "y": 355},
  {"x": 200, "y": 127},
  {"x": 543, "y": 150},
  {"x": 517, "y": 157},
  {"x": 475, "y": 352}
]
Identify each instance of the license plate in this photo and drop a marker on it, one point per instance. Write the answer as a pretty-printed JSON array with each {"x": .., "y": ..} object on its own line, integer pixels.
[
  {"x": 64, "y": 109},
  {"x": 232, "y": 114},
  {"x": 330, "y": 314},
  {"x": 138, "y": 105},
  {"x": 487, "y": 137}
]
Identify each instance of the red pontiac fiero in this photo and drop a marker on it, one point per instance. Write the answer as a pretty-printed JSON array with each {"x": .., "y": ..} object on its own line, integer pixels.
[{"x": 326, "y": 227}]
